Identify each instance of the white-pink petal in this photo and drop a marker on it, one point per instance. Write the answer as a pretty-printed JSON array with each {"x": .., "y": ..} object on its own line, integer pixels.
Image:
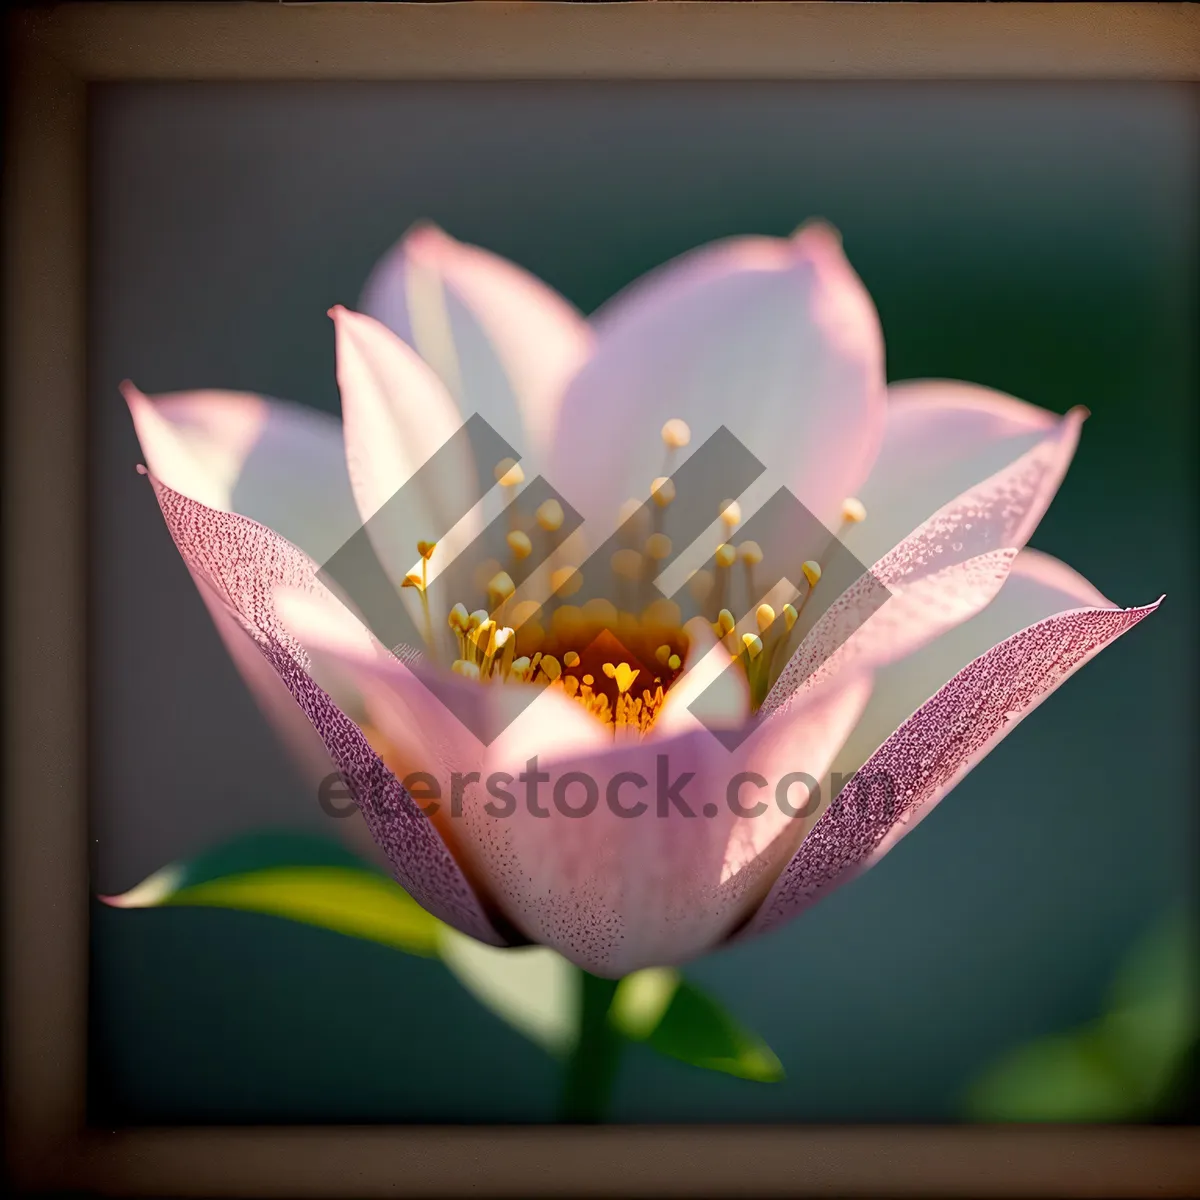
[
  {"x": 1044, "y": 625},
  {"x": 941, "y": 439},
  {"x": 278, "y": 463},
  {"x": 775, "y": 338},
  {"x": 503, "y": 343}
]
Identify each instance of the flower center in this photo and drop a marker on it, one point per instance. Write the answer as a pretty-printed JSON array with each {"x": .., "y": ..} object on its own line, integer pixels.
[{"x": 617, "y": 661}]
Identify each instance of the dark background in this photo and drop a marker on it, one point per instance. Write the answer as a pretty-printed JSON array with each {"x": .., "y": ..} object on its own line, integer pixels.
[{"x": 1036, "y": 238}]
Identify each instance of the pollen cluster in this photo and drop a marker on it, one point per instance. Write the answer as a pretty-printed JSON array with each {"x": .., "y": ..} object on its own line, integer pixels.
[{"x": 616, "y": 654}]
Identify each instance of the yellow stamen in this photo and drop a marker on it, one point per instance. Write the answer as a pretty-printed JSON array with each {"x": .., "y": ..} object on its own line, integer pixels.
[
  {"x": 790, "y": 616},
  {"x": 412, "y": 580},
  {"x": 700, "y": 584},
  {"x": 663, "y": 654},
  {"x": 500, "y": 588},
  {"x": 468, "y": 670},
  {"x": 622, "y": 674},
  {"x": 725, "y": 621},
  {"x": 525, "y": 611},
  {"x": 750, "y": 553},
  {"x": 663, "y": 491},
  {"x": 566, "y": 581},
  {"x": 550, "y": 667},
  {"x": 571, "y": 659},
  {"x": 726, "y": 555},
  {"x": 426, "y": 549},
  {"x": 658, "y": 546},
  {"x": 753, "y": 644},
  {"x": 812, "y": 572},
  {"x": 853, "y": 510},
  {"x": 676, "y": 434},
  {"x": 519, "y": 544},
  {"x": 627, "y": 564},
  {"x": 731, "y": 513},
  {"x": 764, "y": 617},
  {"x": 550, "y": 515},
  {"x": 674, "y": 662},
  {"x": 509, "y": 473}
]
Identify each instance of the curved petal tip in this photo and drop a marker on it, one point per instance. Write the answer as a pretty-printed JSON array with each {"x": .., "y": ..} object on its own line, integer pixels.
[{"x": 153, "y": 890}]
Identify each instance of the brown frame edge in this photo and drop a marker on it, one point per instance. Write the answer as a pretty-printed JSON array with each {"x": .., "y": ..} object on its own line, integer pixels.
[{"x": 54, "y": 54}]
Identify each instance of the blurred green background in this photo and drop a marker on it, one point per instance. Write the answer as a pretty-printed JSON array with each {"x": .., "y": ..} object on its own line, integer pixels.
[{"x": 1036, "y": 238}]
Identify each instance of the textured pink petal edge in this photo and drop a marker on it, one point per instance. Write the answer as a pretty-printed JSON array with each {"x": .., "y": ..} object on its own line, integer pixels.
[
  {"x": 243, "y": 562},
  {"x": 1001, "y": 513},
  {"x": 947, "y": 736}
]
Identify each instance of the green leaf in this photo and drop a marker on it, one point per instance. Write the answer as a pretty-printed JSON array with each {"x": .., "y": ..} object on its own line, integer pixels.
[
  {"x": 1121, "y": 1066},
  {"x": 1069, "y": 1078},
  {"x": 1152, "y": 1022},
  {"x": 532, "y": 988},
  {"x": 659, "y": 1007},
  {"x": 328, "y": 887}
]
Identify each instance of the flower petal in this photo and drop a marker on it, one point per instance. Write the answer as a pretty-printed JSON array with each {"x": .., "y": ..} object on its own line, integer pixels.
[
  {"x": 239, "y": 564},
  {"x": 396, "y": 415},
  {"x": 278, "y": 463},
  {"x": 503, "y": 343},
  {"x": 662, "y": 883},
  {"x": 941, "y": 439},
  {"x": 611, "y": 892},
  {"x": 941, "y": 574},
  {"x": 1062, "y": 622},
  {"x": 775, "y": 338}
]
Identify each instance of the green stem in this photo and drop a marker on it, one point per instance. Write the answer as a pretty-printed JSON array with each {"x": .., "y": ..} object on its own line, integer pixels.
[{"x": 592, "y": 1068}]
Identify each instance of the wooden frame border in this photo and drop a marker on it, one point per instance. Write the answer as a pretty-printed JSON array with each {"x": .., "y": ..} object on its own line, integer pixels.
[{"x": 54, "y": 53}]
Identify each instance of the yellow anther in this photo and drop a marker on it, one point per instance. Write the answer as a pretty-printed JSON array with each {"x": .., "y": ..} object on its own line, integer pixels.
[
  {"x": 426, "y": 549},
  {"x": 750, "y": 553},
  {"x": 476, "y": 619},
  {"x": 550, "y": 667},
  {"x": 700, "y": 584},
  {"x": 468, "y": 670},
  {"x": 674, "y": 662},
  {"x": 658, "y": 546},
  {"x": 571, "y": 659},
  {"x": 519, "y": 544},
  {"x": 627, "y": 564},
  {"x": 753, "y": 644},
  {"x": 566, "y": 581},
  {"x": 509, "y": 473},
  {"x": 726, "y": 555},
  {"x": 663, "y": 653},
  {"x": 853, "y": 510},
  {"x": 765, "y": 617},
  {"x": 790, "y": 616},
  {"x": 663, "y": 491},
  {"x": 482, "y": 632},
  {"x": 500, "y": 587},
  {"x": 623, "y": 674},
  {"x": 731, "y": 512},
  {"x": 725, "y": 621},
  {"x": 676, "y": 434},
  {"x": 525, "y": 611},
  {"x": 413, "y": 580},
  {"x": 520, "y": 667},
  {"x": 812, "y": 572},
  {"x": 459, "y": 618},
  {"x": 631, "y": 510},
  {"x": 588, "y": 680},
  {"x": 502, "y": 637},
  {"x": 550, "y": 515}
]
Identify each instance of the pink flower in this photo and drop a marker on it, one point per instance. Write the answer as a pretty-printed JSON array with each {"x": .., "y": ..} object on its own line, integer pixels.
[{"x": 938, "y": 484}]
